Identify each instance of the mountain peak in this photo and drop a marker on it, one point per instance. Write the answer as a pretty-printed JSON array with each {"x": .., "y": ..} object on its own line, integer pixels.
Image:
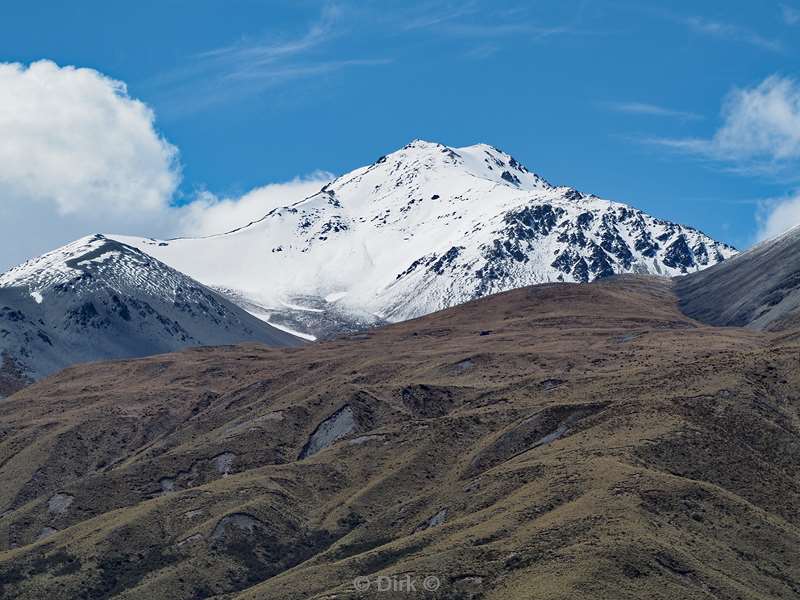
[
  {"x": 98, "y": 298},
  {"x": 94, "y": 257},
  {"x": 423, "y": 144},
  {"x": 430, "y": 226},
  {"x": 479, "y": 166}
]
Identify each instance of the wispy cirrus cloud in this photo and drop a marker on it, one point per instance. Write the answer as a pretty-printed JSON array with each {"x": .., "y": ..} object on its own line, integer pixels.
[
  {"x": 248, "y": 59},
  {"x": 730, "y": 32},
  {"x": 489, "y": 30},
  {"x": 709, "y": 27},
  {"x": 476, "y": 19},
  {"x": 250, "y": 66},
  {"x": 482, "y": 51},
  {"x": 790, "y": 14},
  {"x": 653, "y": 110},
  {"x": 437, "y": 14}
]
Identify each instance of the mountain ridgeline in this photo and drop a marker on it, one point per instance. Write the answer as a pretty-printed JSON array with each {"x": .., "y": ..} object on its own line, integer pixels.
[
  {"x": 98, "y": 299},
  {"x": 422, "y": 229},
  {"x": 425, "y": 228},
  {"x": 759, "y": 289}
]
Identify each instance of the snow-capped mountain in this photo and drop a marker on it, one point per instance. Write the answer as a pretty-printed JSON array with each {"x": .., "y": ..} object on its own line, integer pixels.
[
  {"x": 425, "y": 228},
  {"x": 98, "y": 299}
]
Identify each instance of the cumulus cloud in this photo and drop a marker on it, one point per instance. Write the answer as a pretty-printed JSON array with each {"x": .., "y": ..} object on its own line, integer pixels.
[
  {"x": 778, "y": 216},
  {"x": 79, "y": 155},
  {"x": 76, "y": 151},
  {"x": 760, "y": 129},
  {"x": 209, "y": 215},
  {"x": 762, "y": 122},
  {"x": 759, "y": 134},
  {"x": 71, "y": 135}
]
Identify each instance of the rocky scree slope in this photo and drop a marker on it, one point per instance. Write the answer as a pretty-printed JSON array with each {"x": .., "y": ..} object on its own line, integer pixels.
[{"x": 760, "y": 288}]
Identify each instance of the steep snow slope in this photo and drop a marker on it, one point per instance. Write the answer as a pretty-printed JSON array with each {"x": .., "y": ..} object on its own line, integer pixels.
[
  {"x": 429, "y": 227},
  {"x": 97, "y": 299}
]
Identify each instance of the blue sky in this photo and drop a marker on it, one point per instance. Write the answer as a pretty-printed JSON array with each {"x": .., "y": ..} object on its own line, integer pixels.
[{"x": 622, "y": 99}]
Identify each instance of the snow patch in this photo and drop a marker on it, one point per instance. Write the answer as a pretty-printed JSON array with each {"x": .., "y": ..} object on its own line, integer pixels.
[
  {"x": 303, "y": 336},
  {"x": 301, "y": 308}
]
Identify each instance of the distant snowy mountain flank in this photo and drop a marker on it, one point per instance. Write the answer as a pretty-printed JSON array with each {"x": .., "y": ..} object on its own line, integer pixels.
[
  {"x": 422, "y": 229},
  {"x": 97, "y": 299}
]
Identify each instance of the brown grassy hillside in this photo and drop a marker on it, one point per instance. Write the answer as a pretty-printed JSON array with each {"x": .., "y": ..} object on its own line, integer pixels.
[{"x": 555, "y": 442}]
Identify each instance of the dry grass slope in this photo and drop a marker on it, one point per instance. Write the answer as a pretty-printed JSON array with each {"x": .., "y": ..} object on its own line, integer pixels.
[{"x": 556, "y": 442}]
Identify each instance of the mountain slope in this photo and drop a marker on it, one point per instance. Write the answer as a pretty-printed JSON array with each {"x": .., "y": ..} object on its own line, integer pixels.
[
  {"x": 561, "y": 441},
  {"x": 759, "y": 289},
  {"x": 97, "y": 299},
  {"x": 425, "y": 228}
]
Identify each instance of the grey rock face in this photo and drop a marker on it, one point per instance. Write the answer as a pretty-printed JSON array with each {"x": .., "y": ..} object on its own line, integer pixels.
[
  {"x": 223, "y": 463},
  {"x": 335, "y": 427},
  {"x": 59, "y": 503},
  {"x": 759, "y": 288},
  {"x": 238, "y": 522}
]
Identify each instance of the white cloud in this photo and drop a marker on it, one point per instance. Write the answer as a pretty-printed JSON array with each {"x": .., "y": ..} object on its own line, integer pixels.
[
  {"x": 75, "y": 152},
  {"x": 762, "y": 122},
  {"x": 641, "y": 108},
  {"x": 760, "y": 129},
  {"x": 209, "y": 215},
  {"x": 760, "y": 134},
  {"x": 70, "y": 136},
  {"x": 79, "y": 156},
  {"x": 251, "y": 66},
  {"x": 778, "y": 216},
  {"x": 734, "y": 33}
]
